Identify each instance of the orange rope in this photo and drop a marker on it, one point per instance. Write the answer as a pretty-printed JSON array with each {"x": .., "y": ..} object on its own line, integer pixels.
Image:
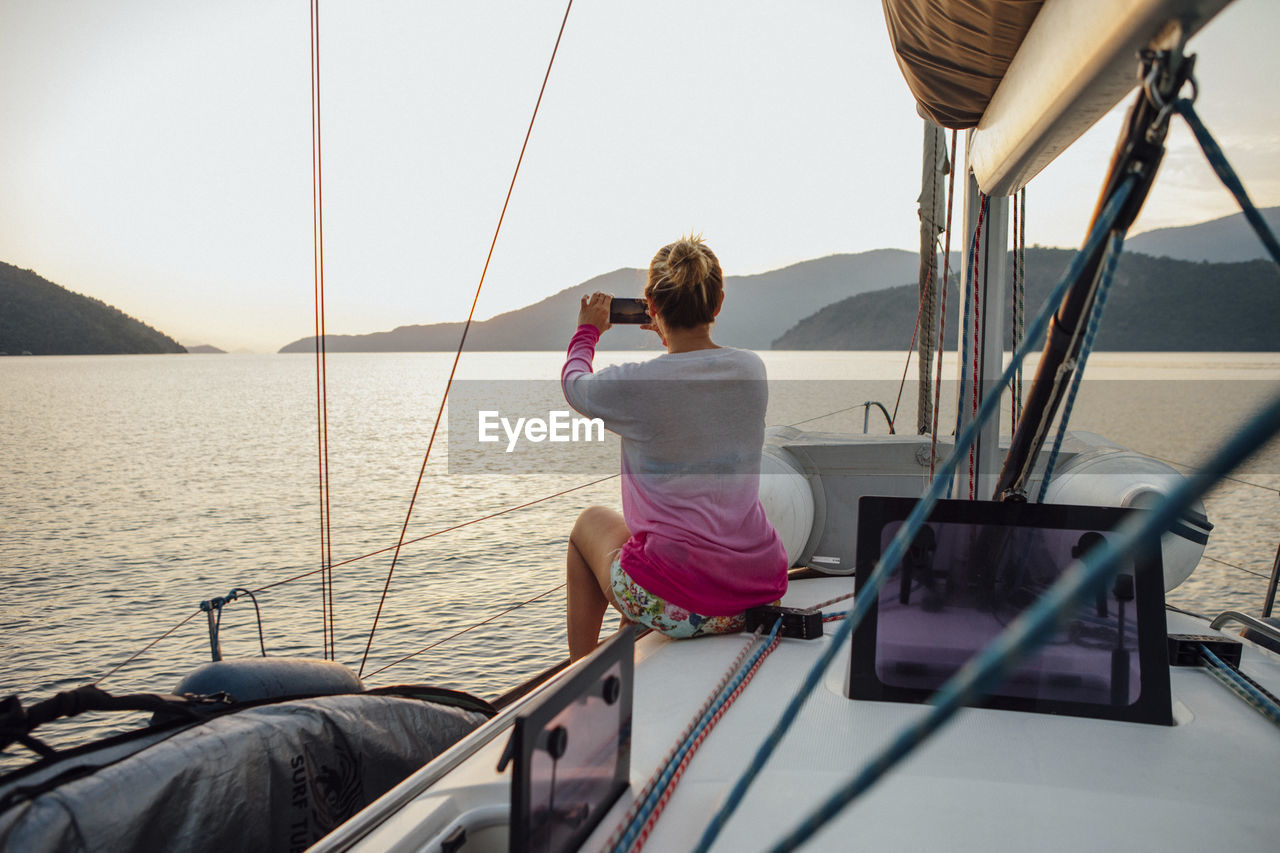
[
  {"x": 438, "y": 532},
  {"x": 470, "y": 628},
  {"x": 462, "y": 342},
  {"x": 145, "y": 648},
  {"x": 322, "y": 389}
]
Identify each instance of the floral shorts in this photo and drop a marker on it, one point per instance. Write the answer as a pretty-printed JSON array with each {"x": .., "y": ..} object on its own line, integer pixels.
[{"x": 666, "y": 618}]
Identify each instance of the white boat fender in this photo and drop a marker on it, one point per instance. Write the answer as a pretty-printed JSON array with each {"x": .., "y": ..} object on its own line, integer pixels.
[
  {"x": 1108, "y": 477},
  {"x": 252, "y": 679},
  {"x": 787, "y": 501}
]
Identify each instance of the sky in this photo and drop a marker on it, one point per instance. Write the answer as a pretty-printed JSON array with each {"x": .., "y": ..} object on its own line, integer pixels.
[{"x": 158, "y": 156}]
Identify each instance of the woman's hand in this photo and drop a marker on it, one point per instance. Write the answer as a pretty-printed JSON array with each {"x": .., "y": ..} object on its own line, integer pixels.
[
  {"x": 595, "y": 311},
  {"x": 652, "y": 325}
]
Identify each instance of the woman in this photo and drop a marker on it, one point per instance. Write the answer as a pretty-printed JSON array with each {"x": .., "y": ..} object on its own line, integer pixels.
[{"x": 692, "y": 549}]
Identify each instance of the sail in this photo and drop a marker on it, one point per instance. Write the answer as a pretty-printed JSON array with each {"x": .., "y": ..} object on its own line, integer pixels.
[{"x": 954, "y": 53}]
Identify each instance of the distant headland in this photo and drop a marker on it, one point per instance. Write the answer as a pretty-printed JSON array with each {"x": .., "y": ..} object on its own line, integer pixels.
[
  {"x": 38, "y": 317},
  {"x": 1199, "y": 288}
]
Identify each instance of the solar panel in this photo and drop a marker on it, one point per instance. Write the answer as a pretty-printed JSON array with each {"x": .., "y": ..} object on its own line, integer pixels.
[{"x": 970, "y": 570}]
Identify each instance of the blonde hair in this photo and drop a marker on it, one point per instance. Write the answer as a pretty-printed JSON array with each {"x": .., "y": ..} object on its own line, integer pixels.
[{"x": 685, "y": 283}]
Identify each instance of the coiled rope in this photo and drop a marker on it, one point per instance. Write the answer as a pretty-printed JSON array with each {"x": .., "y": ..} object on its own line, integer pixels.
[
  {"x": 897, "y": 547},
  {"x": 634, "y": 828},
  {"x": 463, "y": 340}
]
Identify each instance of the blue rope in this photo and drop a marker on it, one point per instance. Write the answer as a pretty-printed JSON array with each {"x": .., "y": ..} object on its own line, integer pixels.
[
  {"x": 1264, "y": 704},
  {"x": 1227, "y": 175},
  {"x": 1038, "y": 624},
  {"x": 1095, "y": 318},
  {"x": 893, "y": 553},
  {"x": 651, "y": 802}
]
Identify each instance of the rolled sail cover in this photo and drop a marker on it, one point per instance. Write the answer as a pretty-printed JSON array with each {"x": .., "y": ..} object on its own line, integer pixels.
[
  {"x": 953, "y": 53},
  {"x": 272, "y": 778}
]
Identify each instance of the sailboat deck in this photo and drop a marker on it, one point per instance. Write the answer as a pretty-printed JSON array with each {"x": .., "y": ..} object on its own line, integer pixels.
[{"x": 992, "y": 779}]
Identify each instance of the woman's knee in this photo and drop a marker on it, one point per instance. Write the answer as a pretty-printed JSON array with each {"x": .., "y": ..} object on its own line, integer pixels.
[
  {"x": 594, "y": 518},
  {"x": 599, "y": 525}
]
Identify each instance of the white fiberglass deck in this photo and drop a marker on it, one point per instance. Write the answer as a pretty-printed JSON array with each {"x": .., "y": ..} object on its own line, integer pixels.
[{"x": 991, "y": 780}]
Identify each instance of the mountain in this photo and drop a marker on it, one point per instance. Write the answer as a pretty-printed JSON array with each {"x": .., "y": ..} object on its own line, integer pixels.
[
  {"x": 758, "y": 309},
  {"x": 42, "y": 318},
  {"x": 1227, "y": 240},
  {"x": 1154, "y": 304},
  {"x": 205, "y": 349}
]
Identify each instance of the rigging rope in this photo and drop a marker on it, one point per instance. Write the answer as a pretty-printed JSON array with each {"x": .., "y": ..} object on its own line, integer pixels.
[
  {"x": 1241, "y": 685},
  {"x": 1114, "y": 247},
  {"x": 1234, "y": 566},
  {"x": 350, "y": 560},
  {"x": 449, "y": 529},
  {"x": 1218, "y": 160},
  {"x": 1022, "y": 291},
  {"x": 1018, "y": 291},
  {"x": 469, "y": 628},
  {"x": 1232, "y": 479},
  {"x": 463, "y": 340},
  {"x": 983, "y": 199},
  {"x": 142, "y": 651},
  {"x": 897, "y": 547},
  {"x": 322, "y": 392},
  {"x": 893, "y": 419},
  {"x": 942, "y": 311},
  {"x": 638, "y": 822},
  {"x": 1037, "y": 624}
]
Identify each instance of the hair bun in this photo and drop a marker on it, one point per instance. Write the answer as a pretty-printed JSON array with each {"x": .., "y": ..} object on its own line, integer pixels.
[
  {"x": 685, "y": 285},
  {"x": 689, "y": 262}
]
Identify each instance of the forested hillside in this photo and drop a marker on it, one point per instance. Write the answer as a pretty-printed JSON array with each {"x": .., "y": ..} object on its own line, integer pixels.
[
  {"x": 1155, "y": 304},
  {"x": 38, "y": 317}
]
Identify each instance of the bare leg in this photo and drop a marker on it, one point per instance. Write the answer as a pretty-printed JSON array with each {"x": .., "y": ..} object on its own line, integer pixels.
[{"x": 596, "y": 538}]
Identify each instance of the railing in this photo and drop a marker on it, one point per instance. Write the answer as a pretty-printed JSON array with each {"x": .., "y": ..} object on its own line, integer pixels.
[
  {"x": 1270, "y": 602},
  {"x": 1250, "y": 622},
  {"x": 866, "y": 415}
]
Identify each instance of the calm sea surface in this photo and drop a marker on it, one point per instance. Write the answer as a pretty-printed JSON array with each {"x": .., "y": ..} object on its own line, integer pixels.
[{"x": 133, "y": 487}]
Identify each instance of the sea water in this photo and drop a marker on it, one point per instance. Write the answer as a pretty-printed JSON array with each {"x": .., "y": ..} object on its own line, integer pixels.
[{"x": 134, "y": 487}]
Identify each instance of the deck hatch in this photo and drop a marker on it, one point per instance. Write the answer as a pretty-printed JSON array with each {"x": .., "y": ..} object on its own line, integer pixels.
[{"x": 970, "y": 571}]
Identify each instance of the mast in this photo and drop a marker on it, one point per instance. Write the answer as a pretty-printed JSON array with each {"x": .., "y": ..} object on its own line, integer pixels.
[{"x": 933, "y": 211}]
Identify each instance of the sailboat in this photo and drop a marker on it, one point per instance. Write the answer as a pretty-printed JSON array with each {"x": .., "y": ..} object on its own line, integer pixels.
[
  {"x": 1127, "y": 730},
  {"x": 1102, "y": 743}
]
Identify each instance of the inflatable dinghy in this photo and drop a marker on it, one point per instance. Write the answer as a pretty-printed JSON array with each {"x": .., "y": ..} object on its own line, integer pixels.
[{"x": 213, "y": 775}]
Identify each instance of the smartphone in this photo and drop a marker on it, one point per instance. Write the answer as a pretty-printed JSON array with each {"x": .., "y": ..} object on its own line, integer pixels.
[{"x": 626, "y": 310}]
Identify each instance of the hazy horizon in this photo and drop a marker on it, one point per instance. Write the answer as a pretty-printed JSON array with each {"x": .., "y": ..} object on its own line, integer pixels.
[{"x": 159, "y": 157}]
